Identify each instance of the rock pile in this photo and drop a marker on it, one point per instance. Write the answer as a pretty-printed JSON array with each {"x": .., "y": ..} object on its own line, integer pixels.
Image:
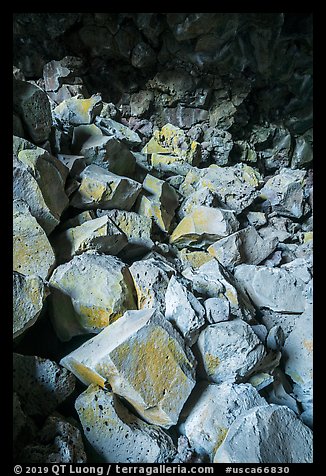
[{"x": 162, "y": 269}]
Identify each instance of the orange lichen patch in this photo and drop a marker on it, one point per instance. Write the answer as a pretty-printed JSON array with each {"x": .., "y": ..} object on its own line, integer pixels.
[
  {"x": 195, "y": 258},
  {"x": 84, "y": 105},
  {"x": 211, "y": 363},
  {"x": 95, "y": 316},
  {"x": 86, "y": 375},
  {"x": 308, "y": 344},
  {"x": 154, "y": 364}
]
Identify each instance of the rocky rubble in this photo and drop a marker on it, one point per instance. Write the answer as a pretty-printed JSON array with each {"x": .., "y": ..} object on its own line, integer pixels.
[{"x": 162, "y": 238}]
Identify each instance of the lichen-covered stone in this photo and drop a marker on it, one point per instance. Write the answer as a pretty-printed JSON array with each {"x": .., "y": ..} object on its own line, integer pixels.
[
  {"x": 99, "y": 234},
  {"x": 137, "y": 229},
  {"x": 151, "y": 278},
  {"x": 193, "y": 259},
  {"x": 173, "y": 140},
  {"x": 88, "y": 293},
  {"x": 303, "y": 152},
  {"x": 230, "y": 351},
  {"x": 33, "y": 107},
  {"x": 215, "y": 410},
  {"x": 116, "y": 434},
  {"x": 144, "y": 360},
  {"x": 273, "y": 288},
  {"x": 32, "y": 252},
  {"x": 267, "y": 434},
  {"x": 285, "y": 192},
  {"x": 59, "y": 441},
  {"x": 28, "y": 296},
  {"x": 100, "y": 188},
  {"x": 204, "y": 225},
  {"x": 75, "y": 111},
  {"x": 159, "y": 201},
  {"x": 184, "y": 310},
  {"x": 243, "y": 246},
  {"x": 39, "y": 179},
  {"x": 235, "y": 186},
  {"x": 212, "y": 280},
  {"x": 41, "y": 384},
  {"x": 201, "y": 197}
]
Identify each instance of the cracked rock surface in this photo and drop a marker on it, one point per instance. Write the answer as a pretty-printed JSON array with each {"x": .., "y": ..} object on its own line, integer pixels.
[{"x": 162, "y": 238}]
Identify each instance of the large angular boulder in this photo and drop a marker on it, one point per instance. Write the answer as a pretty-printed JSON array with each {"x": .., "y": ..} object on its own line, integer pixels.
[
  {"x": 99, "y": 234},
  {"x": 285, "y": 192},
  {"x": 32, "y": 252},
  {"x": 102, "y": 189},
  {"x": 137, "y": 228},
  {"x": 235, "y": 186},
  {"x": 109, "y": 153},
  {"x": 33, "y": 107},
  {"x": 243, "y": 246},
  {"x": 212, "y": 280},
  {"x": 159, "y": 201},
  {"x": 29, "y": 294},
  {"x": 230, "y": 351},
  {"x": 151, "y": 278},
  {"x": 184, "y": 310},
  {"x": 116, "y": 434},
  {"x": 203, "y": 226},
  {"x": 144, "y": 360},
  {"x": 209, "y": 420},
  {"x": 88, "y": 293},
  {"x": 39, "y": 179},
  {"x": 273, "y": 288},
  {"x": 75, "y": 111},
  {"x": 267, "y": 434}
]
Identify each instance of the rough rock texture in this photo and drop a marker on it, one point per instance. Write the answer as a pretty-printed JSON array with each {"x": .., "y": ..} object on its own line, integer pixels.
[
  {"x": 144, "y": 360},
  {"x": 59, "y": 441},
  {"x": 102, "y": 189},
  {"x": 151, "y": 278},
  {"x": 224, "y": 403},
  {"x": 236, "y": 187},
  {"x": 137, "y": 229},
  {"x": 32, "y": 252},
  {"x": 298, "y": 357},
  {"x": 204, "y": 225},
  {"x": 159, "y": 201},
  {"x": 88, "y": 293},
  {"x": 118, "y": 435},
  {"x": 127, "y": 127},
  {"x": 274, "y": 288},
  {"x": 41, "y": 384},
  {"x": 100, "y": 234},
  {"x": 184, "y": 310},
  {"x": 28, "y": 297},
  {"x": 230, "y": 351},
  {"x": 39, "y": 179},
  {"x": 269, "y": 434},
  {"x": 33, "y": 108},
  {"x": 244, "y": 246},
  {"x": 212, "y": 280}
]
